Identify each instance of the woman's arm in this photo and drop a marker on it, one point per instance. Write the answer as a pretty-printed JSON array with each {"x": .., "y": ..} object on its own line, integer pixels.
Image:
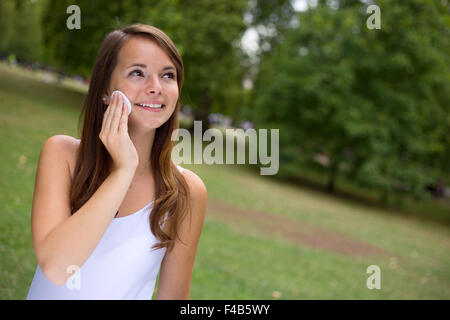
[
  {"x": 176, "y": 268},
  {"x": 61, "y": 239}
]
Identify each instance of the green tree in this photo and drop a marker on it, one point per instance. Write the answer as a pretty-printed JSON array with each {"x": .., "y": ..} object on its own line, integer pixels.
[
  {"x": 6, "y": 22},
  {"x": 73, "y": 51},
  {"x": 374, "y": 101},
  {"x": 21, "y": 31}
]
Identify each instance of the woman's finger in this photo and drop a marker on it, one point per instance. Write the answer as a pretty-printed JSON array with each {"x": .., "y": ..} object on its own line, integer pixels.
[
  {"x": 110, "y": 113},
  {"x": 123, "y": 125},
  {"x": 116, "y": 115}
]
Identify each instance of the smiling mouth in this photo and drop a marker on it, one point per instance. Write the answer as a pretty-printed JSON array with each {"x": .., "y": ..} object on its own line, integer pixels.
[{"x": 150, "y": 106}]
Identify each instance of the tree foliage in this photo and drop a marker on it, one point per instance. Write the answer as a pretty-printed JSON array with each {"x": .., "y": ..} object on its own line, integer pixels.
[
  {"x": 374, "y": 101},
  {"x": 21, "y": 31}
]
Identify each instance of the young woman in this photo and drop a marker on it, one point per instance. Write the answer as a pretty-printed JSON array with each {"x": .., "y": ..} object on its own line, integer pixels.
[{"x": 111, "y": 210}]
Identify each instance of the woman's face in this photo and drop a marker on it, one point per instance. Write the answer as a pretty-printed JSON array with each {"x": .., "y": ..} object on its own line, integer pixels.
[{"x": 145, "y": 73}]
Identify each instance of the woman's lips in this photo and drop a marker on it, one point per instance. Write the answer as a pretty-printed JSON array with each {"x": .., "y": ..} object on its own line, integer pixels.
[{"x": 151, "y": 109}]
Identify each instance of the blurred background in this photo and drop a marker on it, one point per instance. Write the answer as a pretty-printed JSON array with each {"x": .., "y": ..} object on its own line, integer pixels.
[{"x": 364, "y": 126}]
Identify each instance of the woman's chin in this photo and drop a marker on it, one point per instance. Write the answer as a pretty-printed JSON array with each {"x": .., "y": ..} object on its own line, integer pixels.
[{"x": 148, "y": 125}]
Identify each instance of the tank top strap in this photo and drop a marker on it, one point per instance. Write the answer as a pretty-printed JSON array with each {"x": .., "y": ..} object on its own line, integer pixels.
[{"x": 180, "y": 169}]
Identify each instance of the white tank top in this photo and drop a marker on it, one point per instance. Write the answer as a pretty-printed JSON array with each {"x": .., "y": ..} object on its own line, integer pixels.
[{"x": 123, "y": 266}]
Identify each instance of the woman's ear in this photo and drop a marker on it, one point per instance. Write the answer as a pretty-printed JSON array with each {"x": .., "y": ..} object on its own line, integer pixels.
[{"x": 106, "y": 98}]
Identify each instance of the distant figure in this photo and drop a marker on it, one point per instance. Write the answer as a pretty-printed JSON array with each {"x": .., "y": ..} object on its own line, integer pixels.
[
  {"x": 438, "y": 189},
  {"x": 246, "y": 125}
]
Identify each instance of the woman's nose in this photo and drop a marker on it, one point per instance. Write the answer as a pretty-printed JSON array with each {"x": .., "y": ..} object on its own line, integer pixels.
[{"x": 153, "y": 85}]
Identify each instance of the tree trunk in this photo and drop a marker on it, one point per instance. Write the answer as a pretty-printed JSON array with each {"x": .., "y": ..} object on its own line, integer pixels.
[
  {"x": 331, "y": 181},
  {"x": 206, "y": 105}
]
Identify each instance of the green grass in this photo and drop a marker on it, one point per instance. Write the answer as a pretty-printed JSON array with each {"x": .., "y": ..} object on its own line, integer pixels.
[
  {"x": 418, "y": 268},
  {"x": 234, "y": 260}
]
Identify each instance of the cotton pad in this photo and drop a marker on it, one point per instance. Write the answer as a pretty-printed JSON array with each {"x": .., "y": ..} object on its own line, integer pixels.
[{"x": 125, "y": 99}]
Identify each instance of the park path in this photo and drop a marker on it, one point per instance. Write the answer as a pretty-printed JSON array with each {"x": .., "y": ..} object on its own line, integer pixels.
[{"x": 297, "y": 232}]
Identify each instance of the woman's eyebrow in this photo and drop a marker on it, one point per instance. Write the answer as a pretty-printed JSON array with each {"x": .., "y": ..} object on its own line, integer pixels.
[{"x": 145, "y": 66}]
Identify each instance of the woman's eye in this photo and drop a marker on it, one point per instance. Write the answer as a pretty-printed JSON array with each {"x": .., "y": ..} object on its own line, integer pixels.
[
  {"x": 137, "y": 70},
  {"x": 172, "y": 75}
]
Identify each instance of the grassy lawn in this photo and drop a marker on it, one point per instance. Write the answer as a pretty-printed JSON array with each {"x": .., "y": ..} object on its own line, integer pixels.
[{"x": 235, "y": 259}]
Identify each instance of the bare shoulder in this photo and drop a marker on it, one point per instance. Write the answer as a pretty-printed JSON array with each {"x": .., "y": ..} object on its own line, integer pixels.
[
  {"x": 65, "y": 146},
  {"x": 62, "y": 143},
  {"x": 196, "y": 186}
]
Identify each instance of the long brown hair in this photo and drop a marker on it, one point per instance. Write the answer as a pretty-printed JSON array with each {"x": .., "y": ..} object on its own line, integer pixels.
[{"x": 93, "y": 161}]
